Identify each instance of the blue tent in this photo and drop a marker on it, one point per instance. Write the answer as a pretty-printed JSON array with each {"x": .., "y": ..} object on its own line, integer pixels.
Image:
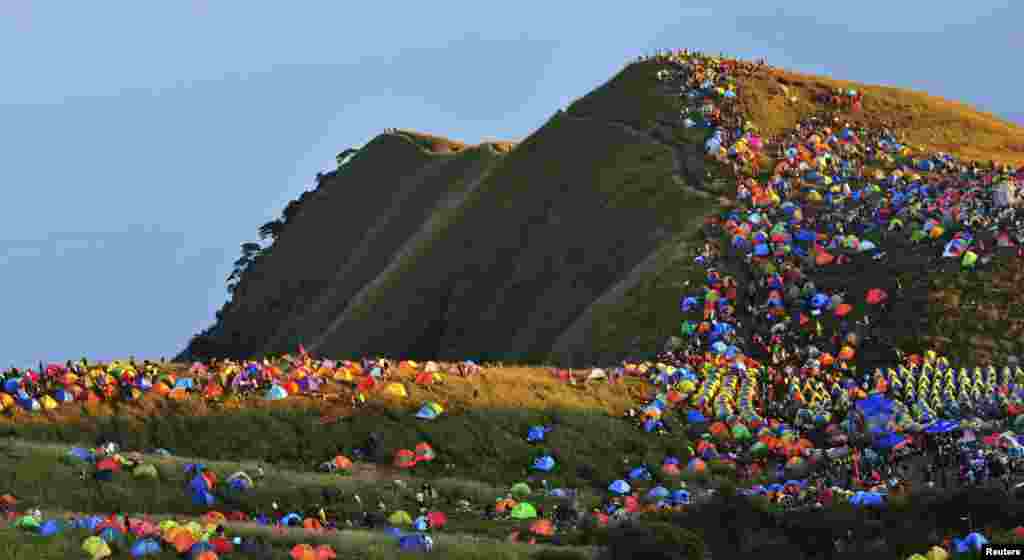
[
  {"x": 558, "y": 493},
  {"x": 420, "y": 523},
  {"x": 11, "y": 385},
  {"x": 427, "y": 412},
  {"x": 942, "y": 427},
  {"x": 973, "y": 541},
  {"x": 291, "y": 518},
  {"x": 416, "y": 543},
  {"x": 184, "y": 383},
  {"x": 537, "y": 433},
  {"x": 144, "y": 384},
  {"x": 651, "y": 425},
  {"x": 203, "y": 498},
  {"x": 658, "y": 492},
  {"x": 62, "y": 396},
  {"x": 680, "y": 497},
  {"x": 49, "y": 527},
  {"x": 639, "y": 473},
  {"x": 695, "y": 417},
  {"x": 393, "y": 532},
  {"x": 761, "y": 250},
  {"x": 670, "y": 460},
  {"x": 820, "y": 300},
  {"x": 83, "y": 454},
  {"x": 888, "y": 440},
  {"x": 89, "y": 523},
  {"x": 874, "y": 405},
  {"x": 276, "y": 393},
  {"x": 620, "y": 487},
  {"x": 145, "y": 547},
  {"x": 111, "y": 535},
  {"x": 544, "y": 463},
  {"x": 866, "y": 499}
]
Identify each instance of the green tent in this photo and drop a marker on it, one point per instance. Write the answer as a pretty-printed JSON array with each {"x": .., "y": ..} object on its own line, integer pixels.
[
  {"x": 970, "y": 257},
  {"x": 27, "y": 522},
  {"x": 524, "y": 511},
  {"x": 146, "y": 471},
  {"x": 740, "y": 432},
  {"x": 759, "y": 449},
  {"x": 520, "y": 490}
]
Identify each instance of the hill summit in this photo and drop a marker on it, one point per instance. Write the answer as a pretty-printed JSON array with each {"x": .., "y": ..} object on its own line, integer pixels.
[{"x": 575, "y": 245}]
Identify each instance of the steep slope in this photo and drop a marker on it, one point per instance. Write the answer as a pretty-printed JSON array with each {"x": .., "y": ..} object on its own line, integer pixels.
[
  {"x": 341, "y": 237},
  {"x": 574, "y": 247}
]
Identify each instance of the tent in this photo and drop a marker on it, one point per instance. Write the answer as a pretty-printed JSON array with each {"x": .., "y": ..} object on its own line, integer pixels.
[
  {"x": 620, "y": 487},
  {"x": 145, "y": 547},
  {"x": 396, "y": 390},
  {"x": 542, "y": 527},
  {"x": 523, "y": 510},
  {"x": 429, "y": 411},
  {"x": 424, "y": 452},
  {"x": 416, "y": 543},
  {"x": 520, "y": 490},
  {"x": 544, "y": 463},
  {"x": 276, "y": 393},
  {"x": 405, "y": 459},
  {"x": 400, "y": 517},
  {"x": 537, "y": 433},
  {"x": 96, "y": 548}
]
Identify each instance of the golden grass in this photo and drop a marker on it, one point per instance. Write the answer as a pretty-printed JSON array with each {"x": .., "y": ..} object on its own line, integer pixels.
[{"x": 922, "y": 120}]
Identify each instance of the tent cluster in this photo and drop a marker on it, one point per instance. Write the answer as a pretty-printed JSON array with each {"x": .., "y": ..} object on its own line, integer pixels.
[
  {"x": 51, "y": 386},
  {"x": 146, "y": 537}
]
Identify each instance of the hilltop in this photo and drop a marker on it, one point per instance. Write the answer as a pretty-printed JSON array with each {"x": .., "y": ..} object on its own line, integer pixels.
[{"x": 572, "y": 246}]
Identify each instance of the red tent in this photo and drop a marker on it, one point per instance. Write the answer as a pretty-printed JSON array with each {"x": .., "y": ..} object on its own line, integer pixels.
[{"x": 876, "y": 296}]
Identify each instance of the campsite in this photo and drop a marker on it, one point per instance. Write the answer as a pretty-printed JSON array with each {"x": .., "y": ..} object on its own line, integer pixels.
[{"x": 712, "y": 308}]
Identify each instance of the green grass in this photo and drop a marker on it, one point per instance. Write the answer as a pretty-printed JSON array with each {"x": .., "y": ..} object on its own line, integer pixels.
[
  {"x": 350, "y": 545},
  {"x": 484, "y": 445}
]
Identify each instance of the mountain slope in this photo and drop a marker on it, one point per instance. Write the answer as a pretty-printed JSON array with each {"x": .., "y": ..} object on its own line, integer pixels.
[{"x": 572, "y": 246}]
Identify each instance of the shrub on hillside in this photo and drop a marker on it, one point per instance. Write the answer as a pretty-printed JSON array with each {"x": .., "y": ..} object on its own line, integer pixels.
[{"x": 653, "y": 541}]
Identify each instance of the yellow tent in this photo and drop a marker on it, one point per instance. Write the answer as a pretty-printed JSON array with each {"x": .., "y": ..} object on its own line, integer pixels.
[
  {"x": 936, "y": 553},
  {"x": 47, "y": 402},
  {"x": 396, "y": 390},
  {"x": 343, "y": 375},
  {"x": 400, "y": 517},
  {"x": 96, "y": 548},
  {"x": 5, "y": 401}
]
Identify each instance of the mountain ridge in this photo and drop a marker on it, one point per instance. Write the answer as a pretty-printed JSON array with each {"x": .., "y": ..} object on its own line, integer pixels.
[{"x": 485, "y": 258}]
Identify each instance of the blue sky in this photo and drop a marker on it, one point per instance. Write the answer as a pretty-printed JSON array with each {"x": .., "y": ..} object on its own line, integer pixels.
[{"x": 142, "y": 142}]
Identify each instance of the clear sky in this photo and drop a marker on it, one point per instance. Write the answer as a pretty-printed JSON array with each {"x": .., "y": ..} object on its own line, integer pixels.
[{"x": 142, "y": 142}]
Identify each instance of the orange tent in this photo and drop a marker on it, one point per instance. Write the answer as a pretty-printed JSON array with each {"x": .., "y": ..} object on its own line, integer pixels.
[
  {"x": 291, "y": 387},
  {"x": 182, "y": 541},
  {"x": 424, "y": 378},
  {"x": 325, "y": 552},
  {"x": 178, "y": 394},
  {"x": 311, "y": 524},
  {"x": 823, "y": 258},
  {"x": 161, "y": 389},
  {"x": 303, "y": 552},
  {"x": 843, "y": 309},
  {"x": 343, "y": 462},
  {"x": 213, "y": 391},
  {"x": 846, "y": 353},
  {"x": 214, "y": 517},
  {"x": 542, "y": 527},
  {"x": 501, "y": 506}
]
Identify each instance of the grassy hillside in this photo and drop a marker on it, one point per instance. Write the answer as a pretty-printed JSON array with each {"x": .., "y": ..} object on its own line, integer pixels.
[
  {"x": 482, "y": 434},
  {"x": 571, "y": 246}
]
